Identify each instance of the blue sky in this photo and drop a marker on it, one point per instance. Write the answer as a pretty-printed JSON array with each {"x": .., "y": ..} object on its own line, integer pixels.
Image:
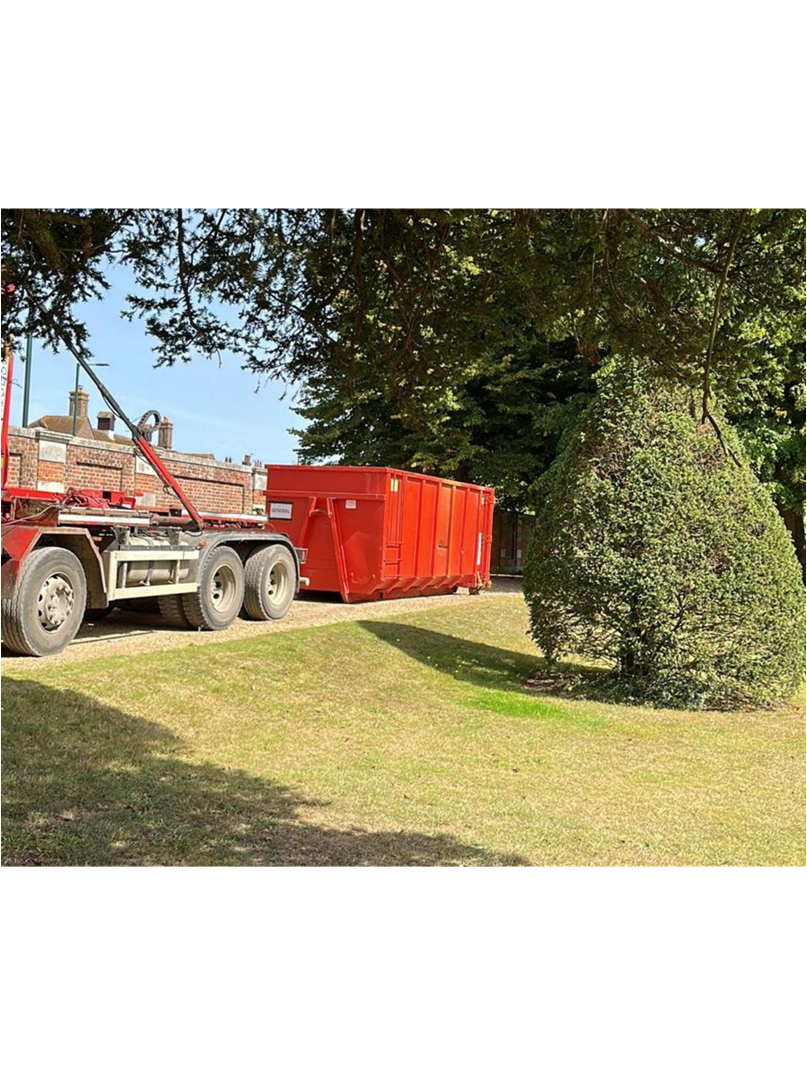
[{"x": 215, "y": 408}]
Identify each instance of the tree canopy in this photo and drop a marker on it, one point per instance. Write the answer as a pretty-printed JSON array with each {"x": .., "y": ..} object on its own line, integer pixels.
[
  {"x": 423, "y": 291},
  {"x": 414, "y": 328},
  {"x": 499, "y": 427}
]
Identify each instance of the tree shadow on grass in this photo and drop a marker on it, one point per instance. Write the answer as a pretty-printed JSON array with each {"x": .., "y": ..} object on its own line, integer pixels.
[
  {"x": 87, "y": 784},
  {"x": 499, "y": 669},
  {"x": 472, "y": 662}
]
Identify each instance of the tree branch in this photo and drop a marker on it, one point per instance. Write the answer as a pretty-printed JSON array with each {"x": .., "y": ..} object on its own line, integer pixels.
[
  {"x": 670, "y": 248},
  {"x": 332, "y": 217},
  {"x": 710, "y": 418},
  {"x": 398, "y": 286},
  {"x": 183, "y": 264},
  {"x": 80, "y": 221},
  {"x": 354, "y": 264},
  {"x": 58, "y": 249},
  {"x": 441, "y": 215},
  {"x": 403, "y": 218},
  {"x": 126, "y": 218},
  {"x": 718, "y": 313},
  {"x": 33, "y": 224},
  {"x": 217, "y": 225}
]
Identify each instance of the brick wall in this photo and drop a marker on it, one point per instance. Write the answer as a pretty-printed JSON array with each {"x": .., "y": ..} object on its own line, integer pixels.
[
  {"x": 41, "y": 459},
  {"x": 22, "y": 460}
]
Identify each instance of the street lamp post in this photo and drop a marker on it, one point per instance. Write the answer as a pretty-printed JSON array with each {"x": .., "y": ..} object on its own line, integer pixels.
[
  {"x": 78, "y": 386},
  {"x": 26, "y": 391}
]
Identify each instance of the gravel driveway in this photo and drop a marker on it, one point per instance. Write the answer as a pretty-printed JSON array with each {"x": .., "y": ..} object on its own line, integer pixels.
[{"x": 123, "y": 633}]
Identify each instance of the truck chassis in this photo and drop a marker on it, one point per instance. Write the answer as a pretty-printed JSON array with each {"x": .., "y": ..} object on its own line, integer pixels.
[{"x": 86, "y": 549}]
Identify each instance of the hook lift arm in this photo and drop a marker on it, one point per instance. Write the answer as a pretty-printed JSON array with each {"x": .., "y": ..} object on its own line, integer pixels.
[{"x": 140, "y": 441}]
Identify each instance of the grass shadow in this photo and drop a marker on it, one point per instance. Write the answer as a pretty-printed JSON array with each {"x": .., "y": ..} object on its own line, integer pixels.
[
  {"x": 88, "y": 784},
  {"x": 476, "y": 663},
  {"x": 527, "y": 675},
  {"x": 505, "y": 680}
]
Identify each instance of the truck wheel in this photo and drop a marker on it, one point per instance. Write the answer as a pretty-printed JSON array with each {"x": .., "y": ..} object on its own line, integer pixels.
[
  {"x": 270, "y": 582},
  {"x": 47, "y": 605},
  {"x": 218, "y": 600},
  {"x": 172, "y": 611}
]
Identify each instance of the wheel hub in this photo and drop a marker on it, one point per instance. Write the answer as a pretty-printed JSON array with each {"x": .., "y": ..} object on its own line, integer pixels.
[
  {"x": 216, "y": 589},
  {"x": 277, "y": 583},
  {"x": 55, "y": 602}
]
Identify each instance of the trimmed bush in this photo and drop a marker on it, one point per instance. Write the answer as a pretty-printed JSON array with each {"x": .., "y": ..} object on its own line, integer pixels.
[{"x": 656, "y": 550}]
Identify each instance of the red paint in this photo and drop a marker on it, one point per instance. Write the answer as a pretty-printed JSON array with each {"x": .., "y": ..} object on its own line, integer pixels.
[
  {"x": 373, "y": 532},
  {"x": 95, "y": 498},
  {"x": 18, "y": 540}
]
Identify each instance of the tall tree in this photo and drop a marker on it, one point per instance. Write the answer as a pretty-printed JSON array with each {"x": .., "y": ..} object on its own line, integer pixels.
[
  {"x": 498, "y": 427},
  {"x": 707, "y": 294}
]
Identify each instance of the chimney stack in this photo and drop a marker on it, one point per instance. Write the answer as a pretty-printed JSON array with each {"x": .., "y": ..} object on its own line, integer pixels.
[
  {"x": 106, "y": 423},
  {"x": 79, "y": 403},
  {"x": 165, "y": 434},
  {"x": 247, "y": 461}
]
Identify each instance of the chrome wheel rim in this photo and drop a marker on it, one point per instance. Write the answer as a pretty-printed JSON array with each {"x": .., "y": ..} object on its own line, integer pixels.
[{"x": 55, "y": 602}]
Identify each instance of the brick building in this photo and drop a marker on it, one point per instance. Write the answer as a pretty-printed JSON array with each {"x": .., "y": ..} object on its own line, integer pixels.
[{"x": 45, "y": 455}]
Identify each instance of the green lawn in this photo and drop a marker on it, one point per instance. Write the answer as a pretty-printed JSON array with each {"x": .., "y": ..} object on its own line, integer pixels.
[{"x": 403, "y": 742}]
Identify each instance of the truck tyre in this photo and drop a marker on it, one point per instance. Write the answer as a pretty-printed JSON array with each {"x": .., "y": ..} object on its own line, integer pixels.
[
  {"x": 43, "y": 614},
  {"x": 172, "y": 611},
  {"x": 270, "y": 583},
  {"x": 218, "y": 600}
]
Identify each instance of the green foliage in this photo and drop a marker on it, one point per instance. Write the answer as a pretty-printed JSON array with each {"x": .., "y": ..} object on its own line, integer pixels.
[
  {"x": 500, "y": 427},
  {"x": 206, "y": 280},
  {"x": 769, "y": 414},
  {"x": 657, "y": 551},
  {"x": 422, "y": 293}
]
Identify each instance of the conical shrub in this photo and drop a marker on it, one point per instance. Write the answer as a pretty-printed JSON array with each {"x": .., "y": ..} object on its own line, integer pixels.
[{"x": 657, "y": 549}]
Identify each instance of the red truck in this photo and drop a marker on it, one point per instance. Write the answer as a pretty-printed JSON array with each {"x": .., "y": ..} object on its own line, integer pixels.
[
  {"x": 371, "y": 533},
  {"x": 87, "y": 549}
]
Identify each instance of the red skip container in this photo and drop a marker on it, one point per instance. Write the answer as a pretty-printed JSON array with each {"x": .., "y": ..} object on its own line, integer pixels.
[{"x": 373, "y": 532}]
